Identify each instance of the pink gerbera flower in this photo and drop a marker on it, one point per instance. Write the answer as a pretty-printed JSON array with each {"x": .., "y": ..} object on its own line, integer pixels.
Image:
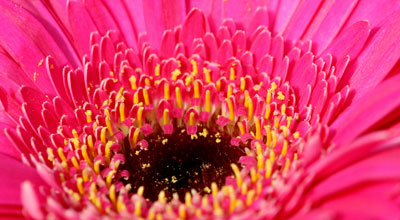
[{"x": 200, "y": 110}]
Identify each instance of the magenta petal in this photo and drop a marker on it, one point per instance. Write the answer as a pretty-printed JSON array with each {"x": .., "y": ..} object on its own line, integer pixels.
[
  {"x": 379, "y": 56},
  {"x": 195, "y": 26},
  {"x": 284, "y": 14},
  {"x": 368, "y": 110},
  {"x": 350, "y": 41},
  {"x": 31, "y": 202}
]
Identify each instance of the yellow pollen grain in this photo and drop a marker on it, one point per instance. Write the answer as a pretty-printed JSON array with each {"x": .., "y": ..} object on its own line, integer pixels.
[
  {"x": 218, "y": 140},
  {"x": 268, "y": 168},
  {"x": 122, "y": 112},
  {"x": 231, "y": 110},
  {"x": 178, "y": 97},
  {"x": 132, "y": 80},
  {"x": 146, "y": 97},
  {"x": 157, "y": 70},
  {"x": 238, "y": 176},
  {"x": 86, "y": 156},
  {"x": 166, "y": 116},
  {"x": 196, "y": 89},
  {"x": 242, "y": 83},
  {"x": 164, "y": 141},
  {"x": 207, "y": 74},
  {"x": 232, "y": 75},
  {"x": 281, "y": 96},
  {"x": 88, "y": 114},
  {"x": 103, "y": 135},
  {"x": 140, "y": 117},
  {"x": 296, "y": 134}
]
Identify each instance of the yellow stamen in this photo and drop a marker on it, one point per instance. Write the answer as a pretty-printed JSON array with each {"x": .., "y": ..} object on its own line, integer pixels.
[
  {"x": 244, "y": 189},
  {"x": 289, "y": 121},
  {"x": 136, "y": 98},
  {"x": 273, "y": 86},
  {"x": 253, "y": 175},
  {"x": 135, "y": 136},
  {"x": 120, "y": 204},
  {"x": 246, "y": 99},
  {"x": 258, "y": 128},
  {"x": 75, "y": 163},
  {"x": 140, "y": 116},
  {"x": 75, "y": 134},
  {"x": 196, "y": 89},
  {"x": 242, "y": 83},
  {"x": 79, "y": 184},
  {"x": 146, "y": 97},
  {"x": 103, "y": 135},
  {"x": 119, "y": 94},
  {"x": 272, "y": 156},
  {"x": 281, "y": 96},
  {"x": 207, "y": 74},
  {"x": 238, "y": 176},
  {"x": 112, "y": 193},
  {"x": 147, "y": 82},
  {"x": 229, "y": 92},
  {"x": 175, "y": 74},
  {"x": 269, "y": 96},
  {"x": 276, "y": 122},
  {"x": 85, "y": 155},
  {"x": 85, "y": 174},
  {"x": 287, "y": 165},
  {"x": 166, "y": 91},
  {"x": 132, "y": 79},
  {"x": 188, "y": 199},
  {"x": 251, "y": 109},
  {"x": 109, "y": 177},
  {"x": 268, "y": 168},
  {"x": 166, "y": 116},
  {"x": 218, "y": 85},
  {"x": 250, "y": 197},
  {"x": 274, "y": 138},
  {"x": 182, "y": 212},
  {"x": 138, "y": 208},
  {"x": 232, "y": 75},
  {"x": 157, "y": 70},
  {"x": 214, "y": 189},
  {"x": 241, "y": 128},
  {"x": 208, "y": 101},
  {"x": 192, "y": 120},
  {"x": 61, "y": 154},
  {"x": 107, "y": 152},
  {"x": 140, "y": 191},
  {"x": 75, "y": 142},
  {"x": 269, "y": 135},
  {"x": 97, "y": 167},
  {"x": 284, "y": 148},
  {"x": 283, "y": 109},
  {"x": 161, "y": 197},
  {"x": 296, "y": 134},
  {"x": 194, "y": 67},
  {"x": 122, "y": 112},
  {"x": 88, "y": 114},
  {"x": 231, "y": 111},
  {"x": 260, "y": 156},
  {"x": 178, "y": 97},
  {"x": 267, "y": 111}
]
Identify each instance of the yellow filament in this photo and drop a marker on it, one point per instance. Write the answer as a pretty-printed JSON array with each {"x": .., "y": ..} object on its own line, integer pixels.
[
  {"x": 242, "y": 83},
  {"x": 75, "y": 163},
  {"x": 161, "y": 197},
  {"x": 122, "y": 112},
  {"x": 138, "y": 208},
  {"x": 103, "y": 135},
  {"x": 178, "y": 97},
  {"x": 157, "y": 70},
  {"x": 136, "y": 98},
  {"x": 135, "y": 136},
  {"x": 192, "y": 121},
  {"x": 112, "y": 193},
  {"x": 268, "y": 168},
  {"x": 107, "y": 152},
  {"x": 238, "y": 176},
  {"x": 109, "y": 177},
  {"x": 208, "y": 101},
  {"x": 88, "y": 114},
  {"x": 232, "y": 75},
  {"x": 166, "y": 116},
  {"x": 229, "y": 92},
  {"x": 258, "y": 128},
  {"x": 231, "y": 112},
  {"x": 241, "y": 128},
  {"x": 251, "y": 109},
  {"x": 86, "y": 156},
  {"x": 132, "y": 79},
  {"x": 79, "y": 184},
  {"x": 284, "y": 148},
  {"x": 146, "y": 97},
  {"x": 61, "y": 154},
  {"x": 196, "y": 89},
  {"x": 166, "y": 91},
  {"x": 188, "y": 199},
  {"x": 140, "y": 116}
]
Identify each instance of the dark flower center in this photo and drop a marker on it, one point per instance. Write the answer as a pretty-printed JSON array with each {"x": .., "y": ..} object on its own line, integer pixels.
[{"x": 178, "y": 163}]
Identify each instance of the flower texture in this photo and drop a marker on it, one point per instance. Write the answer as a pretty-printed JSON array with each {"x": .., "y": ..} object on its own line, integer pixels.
[{"x": 200, "y": 109}]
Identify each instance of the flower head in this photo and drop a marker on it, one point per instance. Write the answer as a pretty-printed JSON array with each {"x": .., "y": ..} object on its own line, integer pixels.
[{"x": 235, "y": 109}]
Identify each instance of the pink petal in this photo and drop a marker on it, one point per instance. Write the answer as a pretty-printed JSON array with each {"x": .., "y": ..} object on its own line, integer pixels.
[
  {"x": 284, "y": 14},
  {"x": 195, "y": 26},
  {"x": 31, "y": 201},
  {"x": 368, "y": 110},
  {"x": 375, "y": 61}
]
